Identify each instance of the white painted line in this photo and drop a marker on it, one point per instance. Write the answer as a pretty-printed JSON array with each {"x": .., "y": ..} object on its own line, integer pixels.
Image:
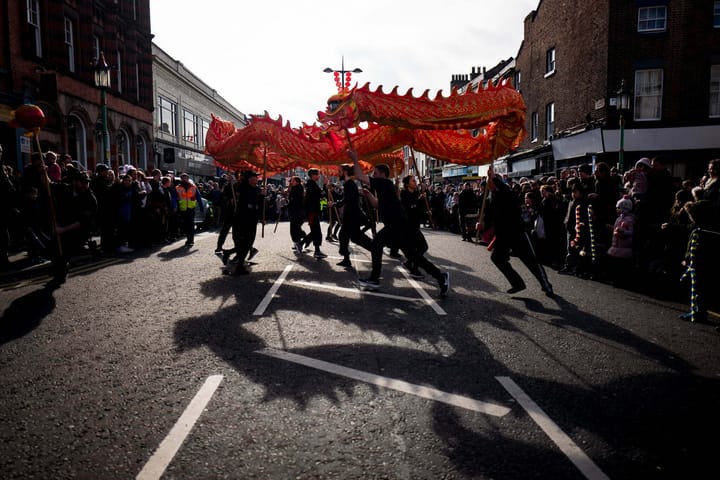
[
  {"x": 391, "y": 383},
  {"x": 271, "y": 293},
  {"x": 323, "y": 286},
  {"x": 353, "y": 260},
  {"x": 428, "y": 299},
  {"x": 565, "y": 443},
  {"x": 155, "y": 467}
]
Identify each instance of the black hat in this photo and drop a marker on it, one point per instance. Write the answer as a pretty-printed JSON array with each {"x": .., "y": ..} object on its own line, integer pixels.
[
  {"x": 101, "y": 167},
  {"x": 249, "y": 173}
]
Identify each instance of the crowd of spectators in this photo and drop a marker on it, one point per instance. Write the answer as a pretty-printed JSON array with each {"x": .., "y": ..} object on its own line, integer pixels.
[
  {"x": 593, "y": 223},
  {"x": 632, "y": 230}
]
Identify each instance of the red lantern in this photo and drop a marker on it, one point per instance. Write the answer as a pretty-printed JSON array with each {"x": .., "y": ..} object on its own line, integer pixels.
[{"x": 29, "y": 117}]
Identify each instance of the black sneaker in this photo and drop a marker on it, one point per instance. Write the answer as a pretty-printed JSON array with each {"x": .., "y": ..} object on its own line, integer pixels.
[
  {"x": 517, "y": 289},
  {"x": 345, "y": 263},
  {"x": 225, "y": 256},
  {"x": 445, "y": 284},
  {"x": 369, "y": 283},
  {"x": 319, "y": 254},
  {"x": 253, "y": 251}
]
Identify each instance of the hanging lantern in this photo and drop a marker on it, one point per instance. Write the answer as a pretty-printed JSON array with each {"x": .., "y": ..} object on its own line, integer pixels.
[{"x": 30, "y": 117}]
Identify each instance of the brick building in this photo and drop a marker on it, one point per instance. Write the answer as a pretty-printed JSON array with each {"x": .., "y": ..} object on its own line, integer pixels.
[
  {"x": 48, "y": 56},
  {"x": 575, "y": 56}
]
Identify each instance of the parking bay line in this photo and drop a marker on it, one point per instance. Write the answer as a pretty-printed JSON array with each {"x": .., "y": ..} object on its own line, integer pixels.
[
  {"x": 391, "y": 383},
  {"x": 355, "y": 290},
  {"x": 156, "y": 465},
  {"x": 551, "y": 429},
  {"x": 271, "y": 293}
]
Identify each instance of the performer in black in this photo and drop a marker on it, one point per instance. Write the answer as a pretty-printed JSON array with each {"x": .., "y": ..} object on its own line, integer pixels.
[
  {"x": 353, "y": 217},
  {"x": 313, "y": 194},
  {"x": 410, "y": 197},
  {"x": 510, "y": 236},
  {"x": 247, "y": 213},
  {"x": 395, "y": 226},
  {"x": 76, "y": 209},
  {"x": 228, "y": 211}
]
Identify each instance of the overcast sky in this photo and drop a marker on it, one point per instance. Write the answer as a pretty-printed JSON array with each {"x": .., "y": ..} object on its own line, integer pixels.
[{"x": 270, "y": 54}]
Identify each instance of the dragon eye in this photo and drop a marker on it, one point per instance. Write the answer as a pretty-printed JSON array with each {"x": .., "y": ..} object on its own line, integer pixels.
[{"x": 333, "y": 105}]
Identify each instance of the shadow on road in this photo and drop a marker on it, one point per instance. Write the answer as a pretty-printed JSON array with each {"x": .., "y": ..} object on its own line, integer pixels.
[
  {"x": 641, "y": 426},
  {"x": 25, "y": 313}
]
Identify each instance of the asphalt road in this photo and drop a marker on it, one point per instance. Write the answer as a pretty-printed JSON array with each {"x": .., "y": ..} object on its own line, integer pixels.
[{"x": 157, "y": 365}]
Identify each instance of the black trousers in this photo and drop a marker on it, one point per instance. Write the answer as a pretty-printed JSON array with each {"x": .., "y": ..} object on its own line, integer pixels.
[
  {"x": 351, "y": 231},
  {"x": 522, "y": 248},
  {"x": 227, "y": 221},
  {"x": 243, "y": 235},
  {"x": 187, "y": 220},
  {"x": 315, "y": 231},
  {"x": 396, "y": 236},
  {"x": 297, "y": 234}
]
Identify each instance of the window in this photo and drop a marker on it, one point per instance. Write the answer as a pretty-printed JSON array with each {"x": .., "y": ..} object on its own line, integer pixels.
[
  {"x": 549, "y": 120},
  {"x": 204, "y": 127},
  {"x": 190, "y": 127},
  {"x": 70, "y": 44},
  {"x": 652, "y": 19},
  {"x": 715, "y": 91},
  {"x": 716, "y": 15},
  {"x": 96, "y": 47},
  {"x": 118, "y": 69},
  {"x": 534, "y": 127},
  {"x": 167, "y": 113},
  {"x": 518, "y": 77},
  {"x": 550, "y": 62},
  {"x": 648, "y": 94},
  {"x": 33, "y": 19}
]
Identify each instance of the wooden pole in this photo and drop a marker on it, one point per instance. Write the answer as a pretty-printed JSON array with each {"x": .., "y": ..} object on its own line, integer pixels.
[
  {"x": 262, "y": 232},
  {"x": 428, "y": 211}
]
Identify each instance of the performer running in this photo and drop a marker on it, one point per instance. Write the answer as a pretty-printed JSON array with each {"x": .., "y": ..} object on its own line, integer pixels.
[
  {"x": 510, "y": 235},
  {"x": 395, "y": 226},
  {"x": 353, "y": 217}
]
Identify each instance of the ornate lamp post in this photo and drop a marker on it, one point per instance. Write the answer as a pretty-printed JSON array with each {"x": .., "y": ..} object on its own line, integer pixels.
[
  {"x": 622, "y": 103},
  {"x": 342, "y": 76},
  {"x": 102, "y": 81}
]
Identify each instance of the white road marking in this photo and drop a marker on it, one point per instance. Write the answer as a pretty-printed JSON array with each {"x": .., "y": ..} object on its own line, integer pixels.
[
  {"x": 565, "y": 443},
  {"x": 271, "y": 293},
  {"x": 391, "y": 383},
  {"x": 336, "y": 288},
  {"x": 155, "y": 467},
  {"x": 428, "y": 299}
]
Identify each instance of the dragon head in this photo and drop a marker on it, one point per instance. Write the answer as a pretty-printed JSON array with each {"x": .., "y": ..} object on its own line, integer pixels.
[{"x": 341, "y": 111}]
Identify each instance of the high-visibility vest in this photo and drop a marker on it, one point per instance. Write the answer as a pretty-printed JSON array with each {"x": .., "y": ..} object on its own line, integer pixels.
[{"x": 187, "y": 198}]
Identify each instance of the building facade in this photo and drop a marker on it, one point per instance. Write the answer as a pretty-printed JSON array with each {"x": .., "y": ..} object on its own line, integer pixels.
[
  {"x": 575, "y": 58},
  {"x": 183, "y": 108},
  {"x": 49, "y": 54}
]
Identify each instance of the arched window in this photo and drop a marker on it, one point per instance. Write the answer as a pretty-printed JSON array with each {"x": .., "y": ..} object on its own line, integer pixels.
[
  {"x": 123, "y": 148},
  {"x": 141, "y": 152},
  {"x": 77, "y": 139}
]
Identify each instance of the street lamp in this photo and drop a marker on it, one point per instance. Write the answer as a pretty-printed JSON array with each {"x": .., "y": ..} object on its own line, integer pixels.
[
  {"x": 622, "y": 103},
  {"x": 342, "y": 76},
  {"x": 102, "y": 81}
]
